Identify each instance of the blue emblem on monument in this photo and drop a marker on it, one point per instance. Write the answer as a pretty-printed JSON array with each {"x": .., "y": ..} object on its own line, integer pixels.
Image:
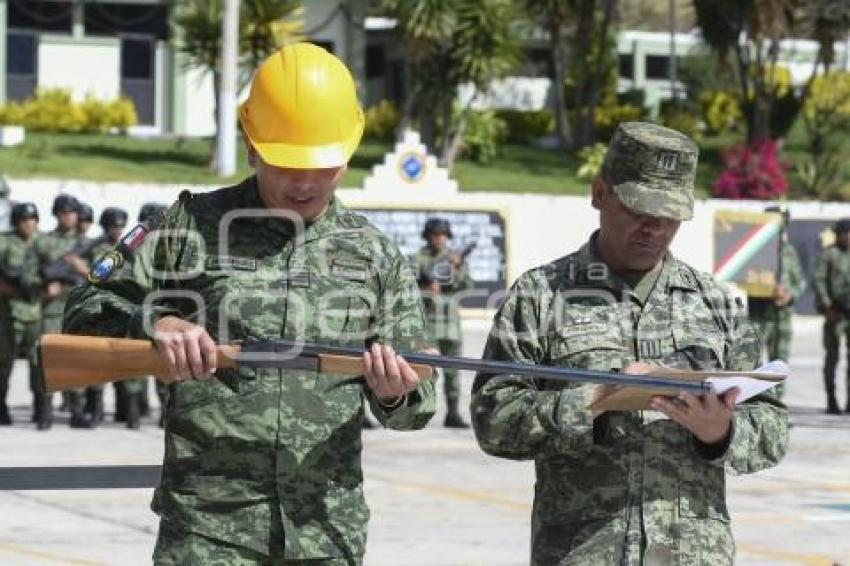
[{"x": 412, "y": 166}]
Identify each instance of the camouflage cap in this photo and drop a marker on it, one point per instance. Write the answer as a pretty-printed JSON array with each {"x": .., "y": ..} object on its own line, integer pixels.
[{"x": 651, "y": 169}]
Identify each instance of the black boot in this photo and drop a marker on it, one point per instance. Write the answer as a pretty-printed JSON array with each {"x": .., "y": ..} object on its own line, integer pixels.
[
  {"x": 144, "y": 400},
  {"x": 133, "y": 411},
  {"x": 832, "y": 406},
  {"x": 5, "y": 417},
  {"x": 453, "y": 418},
  {"x": 79, "y": 418},
  {"x": 94, "y": 405},
  {"x": 44, "y": 411},
  {"x": 120, "y": 405}
]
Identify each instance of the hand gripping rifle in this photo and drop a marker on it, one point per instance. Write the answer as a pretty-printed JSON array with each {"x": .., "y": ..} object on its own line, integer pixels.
[{"x": 73, "y": 362}]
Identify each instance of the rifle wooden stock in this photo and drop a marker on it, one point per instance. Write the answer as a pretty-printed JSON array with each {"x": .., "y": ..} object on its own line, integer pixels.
[{"x": 73, "y": 362}]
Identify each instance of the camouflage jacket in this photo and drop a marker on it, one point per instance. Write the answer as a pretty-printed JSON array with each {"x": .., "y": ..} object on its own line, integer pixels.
[
  {"x": 50, "y": 247},
  {"x": 831, "y": 279},
  {"x": 441, "y": 309},
  {"x": 252, "y": 447},
  {"x": 25, "y": 306},
  {"x": 628, "y": 486}
]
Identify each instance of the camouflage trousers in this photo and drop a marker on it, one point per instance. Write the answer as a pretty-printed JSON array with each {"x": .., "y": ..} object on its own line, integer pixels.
[
  {"x": 776, "y": 327},
  {"x": 451, "y": 377},
  {"x": 832, "y": 332},
  {"x": 26, "y": 336},
  {"x": 178, "y": 547}
]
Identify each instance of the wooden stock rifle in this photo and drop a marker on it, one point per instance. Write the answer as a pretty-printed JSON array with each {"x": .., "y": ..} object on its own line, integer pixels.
[{"x": 72, "y": 362}]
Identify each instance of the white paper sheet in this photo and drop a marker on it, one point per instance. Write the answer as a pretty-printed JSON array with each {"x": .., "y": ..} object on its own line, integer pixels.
[{"x": 750, "y": 387}]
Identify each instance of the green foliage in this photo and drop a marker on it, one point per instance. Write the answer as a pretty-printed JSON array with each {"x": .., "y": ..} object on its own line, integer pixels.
[
  {"x": 608, "y": 117},
  {"x": 681, "y": 117},
  {"x": 53, "y": 110},
  {"x": 381, "y": 121},
  {"x": 592, "y": 158},
  {"x": 720, "y": 110},
  {"x": 527, "y": 125},
  {"x": 263, "y": 27},
  {"x": 484, "y": 134}
]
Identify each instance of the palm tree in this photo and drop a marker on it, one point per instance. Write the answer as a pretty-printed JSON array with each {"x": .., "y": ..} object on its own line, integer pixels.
[
  {"x": 264, "y": 25},
  {"x": 450, "y": 43}
]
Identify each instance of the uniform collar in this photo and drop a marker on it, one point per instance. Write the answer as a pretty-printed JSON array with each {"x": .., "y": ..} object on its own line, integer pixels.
[{"x": 282, "y": 226}]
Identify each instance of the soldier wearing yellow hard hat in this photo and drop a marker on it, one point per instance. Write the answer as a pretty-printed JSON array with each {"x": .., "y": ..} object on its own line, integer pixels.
[{"x": 263, "y": 465}]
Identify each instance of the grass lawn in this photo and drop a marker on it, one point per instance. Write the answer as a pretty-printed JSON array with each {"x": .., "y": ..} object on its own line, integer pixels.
[{"x": 516, "y": 169}]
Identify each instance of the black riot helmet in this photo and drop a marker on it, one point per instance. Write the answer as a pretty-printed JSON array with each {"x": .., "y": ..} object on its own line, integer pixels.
[
  {"x": 23, "y": 211},
  {"x": 436, "y": 226},
  {"x": 149, "y": 210},
  {"x": 86, "y": 213},
  {"x": 64, "y": 203},
  {"x": 111, "y": 217}
]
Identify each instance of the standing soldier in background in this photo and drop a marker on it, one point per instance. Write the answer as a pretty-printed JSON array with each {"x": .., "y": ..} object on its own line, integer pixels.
[
  {"x": 628, "y": 487},
  {"x": 16, "y": 296},
  {"x": 113, "y": 221},
  {"x": 56, "y": 245},
  {"x": 24, "y": 300},
  {"x": 442, "y": 274},
  {"x": 832, "y": 297},
  {"x": 774, "y": 315}
]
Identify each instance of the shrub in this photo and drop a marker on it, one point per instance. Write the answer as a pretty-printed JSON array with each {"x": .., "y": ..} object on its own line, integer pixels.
[
  {"x": 484, "y": 134},
  {"x": 592, "y": 158},
  {"x": 721, "y": 110},
  {"x": 526, "y": 125},
  {"x": 753, "y": 171},
  {"x": 609, "y": 117},
  {"x": 681, "y": 118},
  {"x": 382, "y": 121},
  {"x": 53, "y": 110}
]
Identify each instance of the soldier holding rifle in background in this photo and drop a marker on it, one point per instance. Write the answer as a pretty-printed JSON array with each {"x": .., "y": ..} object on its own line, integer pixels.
[
  {"x": 60, "y": 267},
  {"x": 442, "y": 274}
]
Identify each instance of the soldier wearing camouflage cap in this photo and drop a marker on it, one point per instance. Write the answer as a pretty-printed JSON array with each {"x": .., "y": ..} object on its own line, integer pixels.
[{"x": 628, "y": 487}]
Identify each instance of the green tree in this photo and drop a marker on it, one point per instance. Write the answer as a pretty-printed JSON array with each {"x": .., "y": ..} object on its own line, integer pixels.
[
  {"x": 450, "y": 43},
  {"x": 763, "y": 24},
  {"x": 264, "y": 25}
]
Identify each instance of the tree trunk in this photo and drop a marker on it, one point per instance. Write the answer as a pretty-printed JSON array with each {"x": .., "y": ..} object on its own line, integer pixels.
[
  {"x": 452, "y": 148},
  {"x": 562, "y": 126},
  {"x": 213, "y": 158},
  {"x": 584, "y": 35}
]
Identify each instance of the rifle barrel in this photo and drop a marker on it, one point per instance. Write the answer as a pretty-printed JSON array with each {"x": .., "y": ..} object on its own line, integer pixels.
[{"x": 493, "y": 367}]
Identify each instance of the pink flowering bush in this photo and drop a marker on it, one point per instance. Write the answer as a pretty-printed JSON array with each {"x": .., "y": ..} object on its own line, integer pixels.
[{"x": 752, "y": 172}]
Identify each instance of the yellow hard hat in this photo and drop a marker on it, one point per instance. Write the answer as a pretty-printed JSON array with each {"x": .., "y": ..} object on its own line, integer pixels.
[{"x": 302, "y": 111}]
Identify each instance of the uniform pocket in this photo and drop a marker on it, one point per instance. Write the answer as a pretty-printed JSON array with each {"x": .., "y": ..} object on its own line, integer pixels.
[{"x": 596, "y": 346}]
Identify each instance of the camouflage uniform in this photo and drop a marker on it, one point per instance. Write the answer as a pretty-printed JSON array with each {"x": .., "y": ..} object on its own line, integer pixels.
[
  {"x": 831, "y": 282},
  {"x": 265, "y": 463},
  {"x": 628, "y": 487},
  {"x": 19, "y": 315},
  {"x": 48, "y": 248},
  {"x": 443, "y": 314},
  {"x": 776, "y": 323}
]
